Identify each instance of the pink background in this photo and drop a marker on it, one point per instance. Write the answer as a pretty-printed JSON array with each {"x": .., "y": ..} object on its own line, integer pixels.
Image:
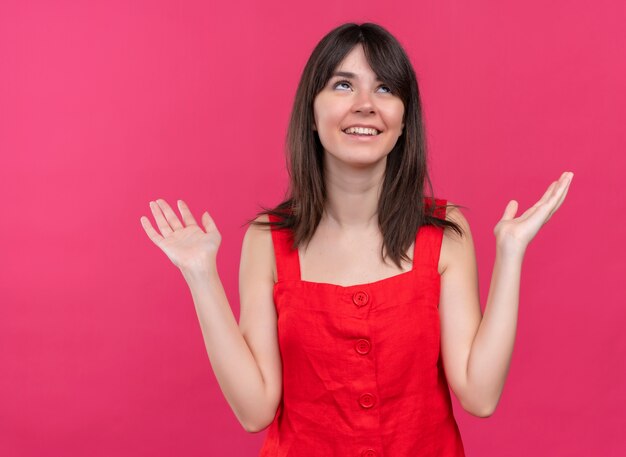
[{"x": 106, "y": 105}]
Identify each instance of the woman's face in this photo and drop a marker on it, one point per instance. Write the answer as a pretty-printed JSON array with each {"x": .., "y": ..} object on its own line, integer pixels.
[{"x": 357, "y": 99}]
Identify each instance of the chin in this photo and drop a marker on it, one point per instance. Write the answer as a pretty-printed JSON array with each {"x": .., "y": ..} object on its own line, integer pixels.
[{"x": 357, "y": 160}]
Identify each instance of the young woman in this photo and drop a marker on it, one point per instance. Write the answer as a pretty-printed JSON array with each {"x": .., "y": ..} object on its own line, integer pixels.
[{"x": 360, "y": 306}]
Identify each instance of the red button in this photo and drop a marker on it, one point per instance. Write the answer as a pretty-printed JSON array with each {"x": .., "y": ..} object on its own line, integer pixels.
[
  {"x": 360, "y": 298},
  {"x": 369, "y": 453},
  {"x": 362, "y": 346},
  {"x": 366, "y": 400}
]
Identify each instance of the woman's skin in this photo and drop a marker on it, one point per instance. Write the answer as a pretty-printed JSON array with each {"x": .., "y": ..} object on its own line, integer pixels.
[{"x": 476, "y": 349}]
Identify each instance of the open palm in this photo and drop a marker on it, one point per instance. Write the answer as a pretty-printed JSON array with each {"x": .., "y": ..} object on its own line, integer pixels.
[
  {"x": 187, "y": 245},
  {"x": 516, "y": 233}
]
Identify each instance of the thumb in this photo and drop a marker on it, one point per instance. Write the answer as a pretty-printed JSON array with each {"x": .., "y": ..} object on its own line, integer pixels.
[
  {"x": 510, "y": 210},
  {"x": 208, "y": 222}
]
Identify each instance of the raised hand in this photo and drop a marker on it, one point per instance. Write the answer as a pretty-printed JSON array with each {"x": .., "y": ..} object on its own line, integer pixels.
[
  {"x": 516, "y": 234},
  {"x": 188, "y": 246}
]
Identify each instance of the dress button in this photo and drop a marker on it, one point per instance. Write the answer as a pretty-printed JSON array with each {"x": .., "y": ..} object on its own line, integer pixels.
[
  {"x": 366, "y": 400},
  {"x": 369, "y": 453},
  {"x": 360, "y": 298},
  {"x": 362, "y": 346}
]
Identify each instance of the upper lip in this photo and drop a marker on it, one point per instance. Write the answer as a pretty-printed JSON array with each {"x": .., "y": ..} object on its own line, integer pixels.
[{"x": 364, "y": 126}]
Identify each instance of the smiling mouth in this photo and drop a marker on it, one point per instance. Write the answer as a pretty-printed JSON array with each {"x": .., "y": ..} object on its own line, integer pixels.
[
  {"x": 361, "y": 136},
  {"x": 356, "y": 131}
]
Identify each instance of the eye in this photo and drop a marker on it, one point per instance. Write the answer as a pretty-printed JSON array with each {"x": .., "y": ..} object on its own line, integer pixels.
[{"x": 339, "y": 83}]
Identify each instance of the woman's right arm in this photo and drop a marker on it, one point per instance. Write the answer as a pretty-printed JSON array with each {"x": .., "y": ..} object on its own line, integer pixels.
[{"x": 245, "y": 358}]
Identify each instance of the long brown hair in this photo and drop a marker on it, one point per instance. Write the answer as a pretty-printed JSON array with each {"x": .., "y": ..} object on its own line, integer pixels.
[{"x": 402, "y": 208}]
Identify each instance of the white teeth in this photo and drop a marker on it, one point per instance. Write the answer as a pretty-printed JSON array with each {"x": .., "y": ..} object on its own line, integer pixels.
[{"x": 362, "y": 131}]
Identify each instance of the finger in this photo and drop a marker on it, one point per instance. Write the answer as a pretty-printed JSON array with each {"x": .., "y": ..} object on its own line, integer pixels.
[
  {"x": 164, "y": 227},
  {"x": 152, "y": 234},
  {"x": 208, "y": 222},
  {"x": 552, "y": 190},
  {"x": 558, "y": 191},
  {"x": 560, "y": 195},
  {"x": 530, "y": 211},
  {"x": 546, "y": 203},
  {"x": 188, "y": 218},
  {"x": 546, "y": 195},
  {"x": 561, "y": 199},
  {"x": 170, "y": 215},
  {"x": 510, "y": 210}
]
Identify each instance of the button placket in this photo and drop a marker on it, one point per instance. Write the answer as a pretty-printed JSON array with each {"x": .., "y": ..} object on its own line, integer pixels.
[{"x": 362, "y": 347}]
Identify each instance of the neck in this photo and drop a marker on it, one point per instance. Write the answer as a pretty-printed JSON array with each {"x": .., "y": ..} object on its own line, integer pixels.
[{"x": 352, "y": 195}]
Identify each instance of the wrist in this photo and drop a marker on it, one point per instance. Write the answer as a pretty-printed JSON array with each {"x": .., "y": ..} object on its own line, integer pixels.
[
  {"x": 510, "y": 251},
  {"x": 200, "y": 272}
]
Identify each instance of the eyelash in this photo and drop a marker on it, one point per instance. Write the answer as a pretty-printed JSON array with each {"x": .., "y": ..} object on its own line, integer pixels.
[{"x": 343, "y": 81}]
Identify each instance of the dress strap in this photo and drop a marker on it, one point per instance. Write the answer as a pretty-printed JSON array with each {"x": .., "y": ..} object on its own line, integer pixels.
[
  {"x": 428, "y": 242},
  {"x": 287, "y": 260}
]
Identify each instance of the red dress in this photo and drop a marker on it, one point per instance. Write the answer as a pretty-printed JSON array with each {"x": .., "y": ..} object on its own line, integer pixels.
[{"x": 362, "y": 372}]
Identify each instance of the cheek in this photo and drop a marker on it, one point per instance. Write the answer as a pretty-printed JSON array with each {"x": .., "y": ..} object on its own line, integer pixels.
[
  {"x": 328, "y": 113},
  {"x": 329, "y": 121},
  {"x": 395, "y": 115}
]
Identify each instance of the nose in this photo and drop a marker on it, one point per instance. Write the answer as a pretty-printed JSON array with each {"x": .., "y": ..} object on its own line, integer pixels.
[{"x": 363, "y": 102}]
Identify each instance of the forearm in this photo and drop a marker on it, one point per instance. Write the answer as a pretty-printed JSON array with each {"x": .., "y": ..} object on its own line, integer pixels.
[
  {"x": 235, "y": 368},
  {"x": 491, "y": 351}
]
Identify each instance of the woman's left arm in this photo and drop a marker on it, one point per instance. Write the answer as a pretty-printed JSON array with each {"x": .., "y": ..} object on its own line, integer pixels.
[{"x": 476, "y": 349}]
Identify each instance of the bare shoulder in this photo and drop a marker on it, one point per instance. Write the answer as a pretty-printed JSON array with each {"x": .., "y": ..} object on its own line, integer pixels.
[
  {"x": 258, "y": 246},
  {"x": 452, "y": 244}
]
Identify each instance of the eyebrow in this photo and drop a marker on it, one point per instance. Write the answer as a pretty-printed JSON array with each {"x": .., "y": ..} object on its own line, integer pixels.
[{"x": 347, "y": 74}]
